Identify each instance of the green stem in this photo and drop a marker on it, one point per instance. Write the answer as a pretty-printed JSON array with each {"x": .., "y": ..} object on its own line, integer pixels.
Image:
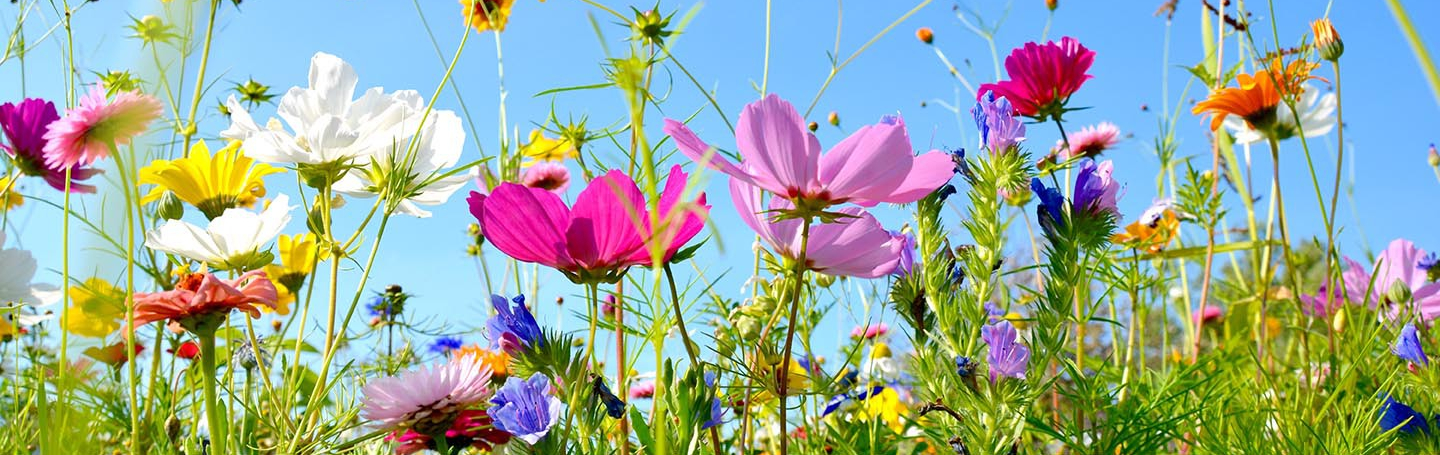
[
  {"x": 691, "y": 348},
  {"x": 1332, "y": 253},
  {"x": 1427, "y": 65},
  {"x": 190, "y": 127},
  {"x": 216, "y": 420},
  {"x": 784, "y": 373}
]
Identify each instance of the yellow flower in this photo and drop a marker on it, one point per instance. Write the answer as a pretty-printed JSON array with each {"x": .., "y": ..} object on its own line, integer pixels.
[
  {"x": 297, "y": 262},
  {"x": 1152, "y": 237},
  {"x": 486, "y": 15},
  {"x": 99, "y": 306},
  {"x": 9, "y": 194},
  {"x": 542, "y": 148},
  {"x": 211, "y": 183},
  {"x": 6, "y": 329},
  {"x": 887, "y": 407}
]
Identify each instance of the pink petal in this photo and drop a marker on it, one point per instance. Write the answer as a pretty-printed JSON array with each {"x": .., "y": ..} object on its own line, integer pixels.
[
  {"x": 678, "y": 231},
  {"x": 779, "y": 152},
  {"x": 606, "y": 223},
  {"x": 749, "y": 202},
  {"x": 527, "y": 224},
  {"x": 857, "y": 247},
  {"x": 699, "y": 151},
  {"x": 929, "y": 172},
  {"x": 868, "y": 164},
  {"x": 1399, "y": 262}
]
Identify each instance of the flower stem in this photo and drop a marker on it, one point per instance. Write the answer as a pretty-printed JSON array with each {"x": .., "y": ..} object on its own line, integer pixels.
[
  {"x": 592, "y": 295},
  {"x": 784, "y": 373},
  {"x": 213, "y": 413},
  {"x": 189, "y": 126},
  {"x": 690, "y": 348},
  {"x": 1332, "y": 254}
]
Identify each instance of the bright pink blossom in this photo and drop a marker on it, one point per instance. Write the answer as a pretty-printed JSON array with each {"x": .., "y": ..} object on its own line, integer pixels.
[
  {"x": 869, "y": 331},
  {"x": 1090, "y": 141},
  {"x": 855, "y": 245},
  {"x": 25, "y": 126},
  {"x": 780, "y": 155},
  {"x": 608, "y": 230},
  {"x": 1396, "y": 268},
  {"x": 548, "y": 176},
  {"x": 89, "y": 130},
  {"x": 642, "y": 390},
  {"x": 1043, "y": 76}
]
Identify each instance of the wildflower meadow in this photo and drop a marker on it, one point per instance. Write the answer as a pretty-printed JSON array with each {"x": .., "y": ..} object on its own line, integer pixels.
[{"x": 968, "y": 227}]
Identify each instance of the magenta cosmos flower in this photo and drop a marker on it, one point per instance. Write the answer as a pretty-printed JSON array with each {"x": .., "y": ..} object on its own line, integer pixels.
[
  {"x": 606, "y": 232},
  {"x": 1397, "y": 272},
  {"x": 24, "y": 126},
  {"x": 428, "y": 399},
  {"x": 89, "y": 130},
  {"x": 855, "y": 245},
  {"x": 1089, "y": 142},
  {"x": 780, "y": 155},
  {"x": 1043, "y": 76}
]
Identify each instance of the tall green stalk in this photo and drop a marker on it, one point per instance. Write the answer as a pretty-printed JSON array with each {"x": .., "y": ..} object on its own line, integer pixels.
[{"x": 784, "y": 372}]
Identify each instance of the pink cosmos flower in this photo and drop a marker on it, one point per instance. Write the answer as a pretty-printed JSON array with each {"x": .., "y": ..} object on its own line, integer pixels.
[
  {"x": 428, "y": 399},
  {"x": 780, "y": 155},
  {"x": 870, "y": 331},
  {"x": 1090, "y": 141},
  {"x": 548, "y": 176},
  {"x": 89, "y": 130},
  {"x": 608, "y": 230},
  {"x": 1396, "y": 268},
  {"x": 853, "y": 246},
  {"x": 1043, "y": 76},
  {"x": 24, "y": 126},
  {"x": 201, "y": 294},
  {"x": 642, "y": 390},
  {"x": 1211, "y": 314}
]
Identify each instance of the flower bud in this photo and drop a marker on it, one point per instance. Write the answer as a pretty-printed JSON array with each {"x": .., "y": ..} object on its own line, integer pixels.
[
  {"x": 925, "y": 35},
  {"x": 813, "y": 126},
  {"x": 169, "y": 206},
  {"x": 833, "y": 118},
  {"x": 1052, "y": 4},
  {"x": 1399, "y": 292},
  {"x": 1434, "y": 157},
  {"x": 1327, "y": 40}
]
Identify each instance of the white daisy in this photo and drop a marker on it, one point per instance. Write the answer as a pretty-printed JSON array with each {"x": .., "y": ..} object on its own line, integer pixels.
[
  {"x": 1317, "y": 117},
  {"x": 233, "y": 240}
]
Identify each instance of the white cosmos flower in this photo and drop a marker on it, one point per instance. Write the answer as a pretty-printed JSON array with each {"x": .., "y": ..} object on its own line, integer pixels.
[
  {"x": 16, "y": 286},
  {"x": 327, "y": 124},
  {"x": 438, "y": 151},
  {"x": 232, "y": 239},
  {"x": 1317, "y": 118}
]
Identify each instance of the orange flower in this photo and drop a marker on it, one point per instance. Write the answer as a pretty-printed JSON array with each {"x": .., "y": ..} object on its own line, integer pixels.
[
  {"x": 1152, "y": 237},
  {"x": 486, "y": 15},
  {"x": 199, "y": 295},
  {"x": 497, "y": 360},
  {"x": 1257, "y": 95},
  {"x": 113, "y": 355},
  {"x": 1327, "y": 40}
]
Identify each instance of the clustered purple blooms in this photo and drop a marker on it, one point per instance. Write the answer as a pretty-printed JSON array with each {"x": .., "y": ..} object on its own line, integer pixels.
[
  {"x": 1407, "y": 346},
  {"x": 1007, "y": 357},
  {"x": 24, "y": 126},
  {"x": 995, "y": 119},
  {"x": 513, "y": 328},
  {"x": 525, "y": 408}
]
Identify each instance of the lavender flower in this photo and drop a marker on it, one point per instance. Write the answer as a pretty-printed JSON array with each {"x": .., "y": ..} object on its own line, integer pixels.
[
  {"x": 907, "y": 254},
  {"x": 525, "y": 408},
  {"x": 1095, "y": 190},
  {"x": 1407, "y": 346},
  {"x": 513, "y": 328},
  {"x": 1007, "y": 357},
  {"x": 996, "y": 122}
]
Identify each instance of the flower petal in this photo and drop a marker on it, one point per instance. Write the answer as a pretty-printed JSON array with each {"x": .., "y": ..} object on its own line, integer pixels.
[{"x": 527, "y": 224}]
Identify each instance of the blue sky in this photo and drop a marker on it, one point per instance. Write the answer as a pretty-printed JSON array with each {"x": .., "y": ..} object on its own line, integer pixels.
[{"x": 1390, "y": 111}]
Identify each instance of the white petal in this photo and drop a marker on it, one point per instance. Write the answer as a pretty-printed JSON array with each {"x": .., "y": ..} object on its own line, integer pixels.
[{"x": 185, "y": 240}]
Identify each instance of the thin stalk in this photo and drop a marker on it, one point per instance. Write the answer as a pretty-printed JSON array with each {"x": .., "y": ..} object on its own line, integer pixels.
[
  {"x": 765, "y": 75},
  {"x": 128, "y": 188},
  {"x": 620, "y": 366},
  {"x": 1214, "y": 188},
  {"x": 1334, "y": 202},
  {"x": 214, "y": 419},
  {"x": 690, "y": 348},
  {"x": 784, "y": 372},
  {"x": 190, "y": 128}
]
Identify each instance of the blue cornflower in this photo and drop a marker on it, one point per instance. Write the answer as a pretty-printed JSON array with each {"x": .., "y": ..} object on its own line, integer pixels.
[
  {"x": 1394, "y": 414},
  {"x": 525, "y": 408},
  {"x": 1428, "y": 262},
  {"x": 1407, "y": 346},
  {"x": 1051, "y": 207},
  {"x": 964, "y": 366},
  {"x": 513, "y": 328},
  {"x": 443, "y": 345},
  {"x": 380, "y": 307},
  {"x": 716, "y": 412},
  {"x": 995, "y": 119}
]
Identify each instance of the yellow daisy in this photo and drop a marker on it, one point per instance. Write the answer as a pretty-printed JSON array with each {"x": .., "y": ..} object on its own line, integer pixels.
[
  {"x": 541, "y": 148},
  {"x": 297, "y": 262},
  {"x": 99, "y": 306},
  {"x": 486, "y": 15},
  {"x": 212, "y": 183},
  {"x": 887, "y": 407},
  {"x": 9, "y": 194}
]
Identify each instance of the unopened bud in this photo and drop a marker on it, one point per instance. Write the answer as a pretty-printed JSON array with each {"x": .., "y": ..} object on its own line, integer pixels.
[
  {"x": 1327, "y": 40},
  {"x": 813, "y": 126},
  {"x": 1399, "y": 292},
  {"x": 925, "y": 35},
  {"x": 1052, "y": 4},
  {"x": 1434, "y": 157},
  {"x": 833, "y": 118},
  {"x": 169, "y": 206}
]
